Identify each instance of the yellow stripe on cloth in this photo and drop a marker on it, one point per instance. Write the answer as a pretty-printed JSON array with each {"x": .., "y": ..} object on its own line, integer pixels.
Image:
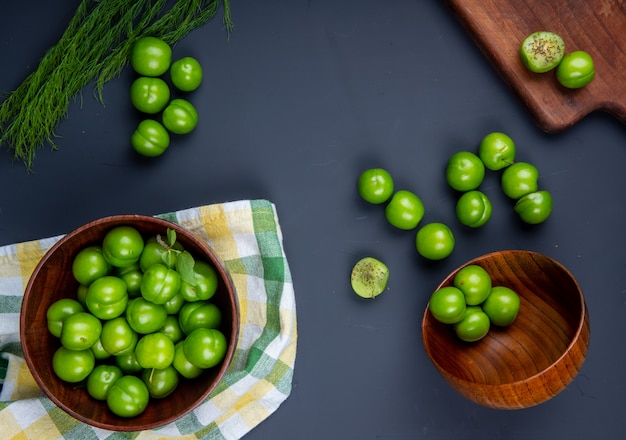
[
  {"x": 250, "y": 401},
  {"x": 28, "y": 420},
  {"x": 19, "y": 380},
  {"x": 29, "y": 254},
  {"x": 10, "y": 427}
]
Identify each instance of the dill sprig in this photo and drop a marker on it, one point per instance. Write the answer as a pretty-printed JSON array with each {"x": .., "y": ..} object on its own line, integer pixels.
[{"x": 94, "y": 47}]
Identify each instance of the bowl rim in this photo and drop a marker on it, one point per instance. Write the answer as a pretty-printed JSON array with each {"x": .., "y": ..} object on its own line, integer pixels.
[
  {"x": 583, "y": 317},
  {"x": 215, "y": 259}
]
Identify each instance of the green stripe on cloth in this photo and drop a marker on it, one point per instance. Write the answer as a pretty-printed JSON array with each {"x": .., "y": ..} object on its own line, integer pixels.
[
  {"x": 246, "y": 235},
  {"x": 10, "y": 304}
]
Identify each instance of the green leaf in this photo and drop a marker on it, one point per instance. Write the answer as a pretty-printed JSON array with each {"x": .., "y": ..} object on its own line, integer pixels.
[
  {"x": 184, "y": 267},
  {"x": 168, "y": 257},
  {"x": 171, "y": 237}
]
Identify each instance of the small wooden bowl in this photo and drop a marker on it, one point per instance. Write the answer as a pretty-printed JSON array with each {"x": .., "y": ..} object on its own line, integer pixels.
[
  {"x": 52, "y": 279},
  {"x": 533, "y": 359}
]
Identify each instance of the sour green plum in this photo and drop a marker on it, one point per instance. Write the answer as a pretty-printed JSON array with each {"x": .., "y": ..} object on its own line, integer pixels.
[
  {"x": 474, "y": 209},
  {"x": 475, "y": 283},
  {"x": 465, "y": 171},
  {"x": 447, "y": 304},
  {"x": 375, "y": 185},
  {"x": 474, "y": 326}
]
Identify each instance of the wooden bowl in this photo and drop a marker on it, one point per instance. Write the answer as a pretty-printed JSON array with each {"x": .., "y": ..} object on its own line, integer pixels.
[
  {"x": 533, "y": 359},
  {"x": 52, "y": 279}
]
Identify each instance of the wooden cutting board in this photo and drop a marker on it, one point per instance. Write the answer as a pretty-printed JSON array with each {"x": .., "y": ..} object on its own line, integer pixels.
[{"x": 596, "y": 26}]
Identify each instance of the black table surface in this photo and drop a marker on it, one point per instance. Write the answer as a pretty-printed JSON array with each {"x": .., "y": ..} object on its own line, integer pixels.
[{"x": 300, "y": 99}]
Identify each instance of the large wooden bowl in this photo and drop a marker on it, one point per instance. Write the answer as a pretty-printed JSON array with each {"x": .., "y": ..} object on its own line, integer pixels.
[
  {"x": 534, "y": 358},
  {"x": 52, "y": 279}
]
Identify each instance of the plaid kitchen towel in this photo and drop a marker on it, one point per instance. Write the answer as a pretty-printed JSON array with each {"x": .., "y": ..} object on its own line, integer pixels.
[{"x": 246, "y": 235}]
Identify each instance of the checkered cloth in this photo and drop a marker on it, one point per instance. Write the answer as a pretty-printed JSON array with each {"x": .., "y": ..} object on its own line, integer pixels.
[{"x": 246, "y": 236}]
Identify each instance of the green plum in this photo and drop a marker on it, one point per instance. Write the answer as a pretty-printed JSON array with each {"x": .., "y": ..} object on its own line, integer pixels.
[
  {"x": 475, "y": 283},
  {"x": 369, "y": 277},
  {"x": 447, "y": 304},
  {"x": 497, "y": 151},
  {"x": 576, "y": 70},
  {"x": 375, "y": 185},
  {"x": 465, "y": 171},
  {"x": 473, "y": 209},
  {"x": 502, "y": 306},
  {"x": 405, "y": 210},
  {"x": 434, "y": 241},
  {"x": 542, "y": 51},
  {"x": 519, "y": 179},
  {"x": 155, "y": 350},
  {"x": 474, "y": 326},
  {"x": 534, "y": 208}
]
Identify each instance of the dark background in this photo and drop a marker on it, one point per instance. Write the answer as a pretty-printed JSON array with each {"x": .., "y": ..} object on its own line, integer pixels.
[{"x": 301, "y": 98}]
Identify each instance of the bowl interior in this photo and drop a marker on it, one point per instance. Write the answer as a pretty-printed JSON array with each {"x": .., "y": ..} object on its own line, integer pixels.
[
  {"x": 552, "y": 313},
  {"x": 52, "y": 279}
]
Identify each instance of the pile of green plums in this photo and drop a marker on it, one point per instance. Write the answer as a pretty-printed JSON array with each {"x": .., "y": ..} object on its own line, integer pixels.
[
  {"x": 141, "y": 320},
  {"x": 472, "y": 304},
  {"x": 466, "y": 171}
]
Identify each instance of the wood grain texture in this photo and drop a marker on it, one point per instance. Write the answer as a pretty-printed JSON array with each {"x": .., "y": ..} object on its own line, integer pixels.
[
  {"x": 52, "y": 279},
  {"x": 596, "y": 26},
  {"x": 533, "y": 359}
]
